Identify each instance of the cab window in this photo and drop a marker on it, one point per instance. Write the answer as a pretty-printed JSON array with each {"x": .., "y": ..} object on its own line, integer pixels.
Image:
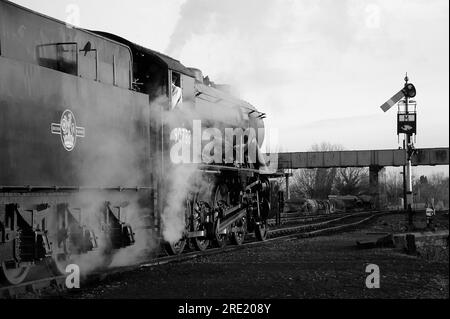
[{"x": 59, "y": 56}]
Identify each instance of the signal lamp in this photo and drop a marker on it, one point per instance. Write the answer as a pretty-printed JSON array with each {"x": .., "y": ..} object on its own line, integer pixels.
[{"x": 409, "y": 90}]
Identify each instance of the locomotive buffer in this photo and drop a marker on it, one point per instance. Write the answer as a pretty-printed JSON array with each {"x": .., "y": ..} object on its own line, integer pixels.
[{"x": 406, "y": 124}]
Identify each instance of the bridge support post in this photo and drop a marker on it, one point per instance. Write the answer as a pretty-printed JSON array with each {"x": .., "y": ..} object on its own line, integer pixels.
[
  {"x": 374, "y": 170},
  {"x": 288, "y": 193}
]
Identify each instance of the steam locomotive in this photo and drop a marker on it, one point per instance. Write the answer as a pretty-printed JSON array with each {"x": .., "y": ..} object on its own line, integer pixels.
[{"x": 87, "y": 122}]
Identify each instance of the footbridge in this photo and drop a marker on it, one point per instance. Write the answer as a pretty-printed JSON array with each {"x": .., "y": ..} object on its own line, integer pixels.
[
  {"x": 375, "y": 160},
  {"x": 371, "y": 158}
]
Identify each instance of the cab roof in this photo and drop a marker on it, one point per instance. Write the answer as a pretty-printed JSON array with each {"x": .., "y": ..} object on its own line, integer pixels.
[{"x": 170, "y": 62}]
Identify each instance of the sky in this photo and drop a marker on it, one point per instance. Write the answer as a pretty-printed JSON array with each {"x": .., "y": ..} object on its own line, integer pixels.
[{"x": 320, "y": 69}]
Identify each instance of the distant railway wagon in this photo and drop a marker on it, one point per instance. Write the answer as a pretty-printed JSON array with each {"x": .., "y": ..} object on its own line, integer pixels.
[
  {"x": 88, "y": 121},
  {"x": 334, "y": 203}
]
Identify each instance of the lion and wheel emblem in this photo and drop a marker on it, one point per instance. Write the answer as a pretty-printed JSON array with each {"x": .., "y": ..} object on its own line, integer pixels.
[{"x": 68, "y": 130}]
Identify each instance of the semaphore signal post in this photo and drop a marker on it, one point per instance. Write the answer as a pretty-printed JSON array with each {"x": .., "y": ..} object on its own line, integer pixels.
[{"x": 407, "y": 125}]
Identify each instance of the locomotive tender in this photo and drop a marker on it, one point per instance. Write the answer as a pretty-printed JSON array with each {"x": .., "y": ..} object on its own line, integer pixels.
[{"x": 85, "y": 142}]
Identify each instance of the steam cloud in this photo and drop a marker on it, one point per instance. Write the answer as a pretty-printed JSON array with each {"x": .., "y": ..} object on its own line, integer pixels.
[
  {"x": 115, "y": 154},
  {"x": 282, "y": 55}
]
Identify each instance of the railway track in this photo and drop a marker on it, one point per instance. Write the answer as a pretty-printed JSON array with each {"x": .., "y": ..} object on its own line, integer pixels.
[
  {"x": 296, "y": 218},
  {"x": 312, "y": 227},
  {"x": 312, "y": 224}
]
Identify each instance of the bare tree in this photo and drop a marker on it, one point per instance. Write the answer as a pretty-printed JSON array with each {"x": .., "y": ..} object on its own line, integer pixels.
[
  {"x": 393, "y": 186},
  {"x": 434, "y": 188},
  {"x": 351, "y": 181},
  {"x": 302, "y": 184},
  {"x": 318, "y": 182}
]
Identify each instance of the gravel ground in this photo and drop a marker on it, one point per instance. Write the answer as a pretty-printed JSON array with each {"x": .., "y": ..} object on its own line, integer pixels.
[{"x": 320, "y": 267}]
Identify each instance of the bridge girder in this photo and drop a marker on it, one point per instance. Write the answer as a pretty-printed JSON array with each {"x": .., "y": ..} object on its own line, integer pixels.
[{"x": 364, "y": 158}]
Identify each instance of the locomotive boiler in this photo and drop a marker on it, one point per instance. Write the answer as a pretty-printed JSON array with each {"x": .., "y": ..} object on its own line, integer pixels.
[{"x": 87, "y": 121}]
